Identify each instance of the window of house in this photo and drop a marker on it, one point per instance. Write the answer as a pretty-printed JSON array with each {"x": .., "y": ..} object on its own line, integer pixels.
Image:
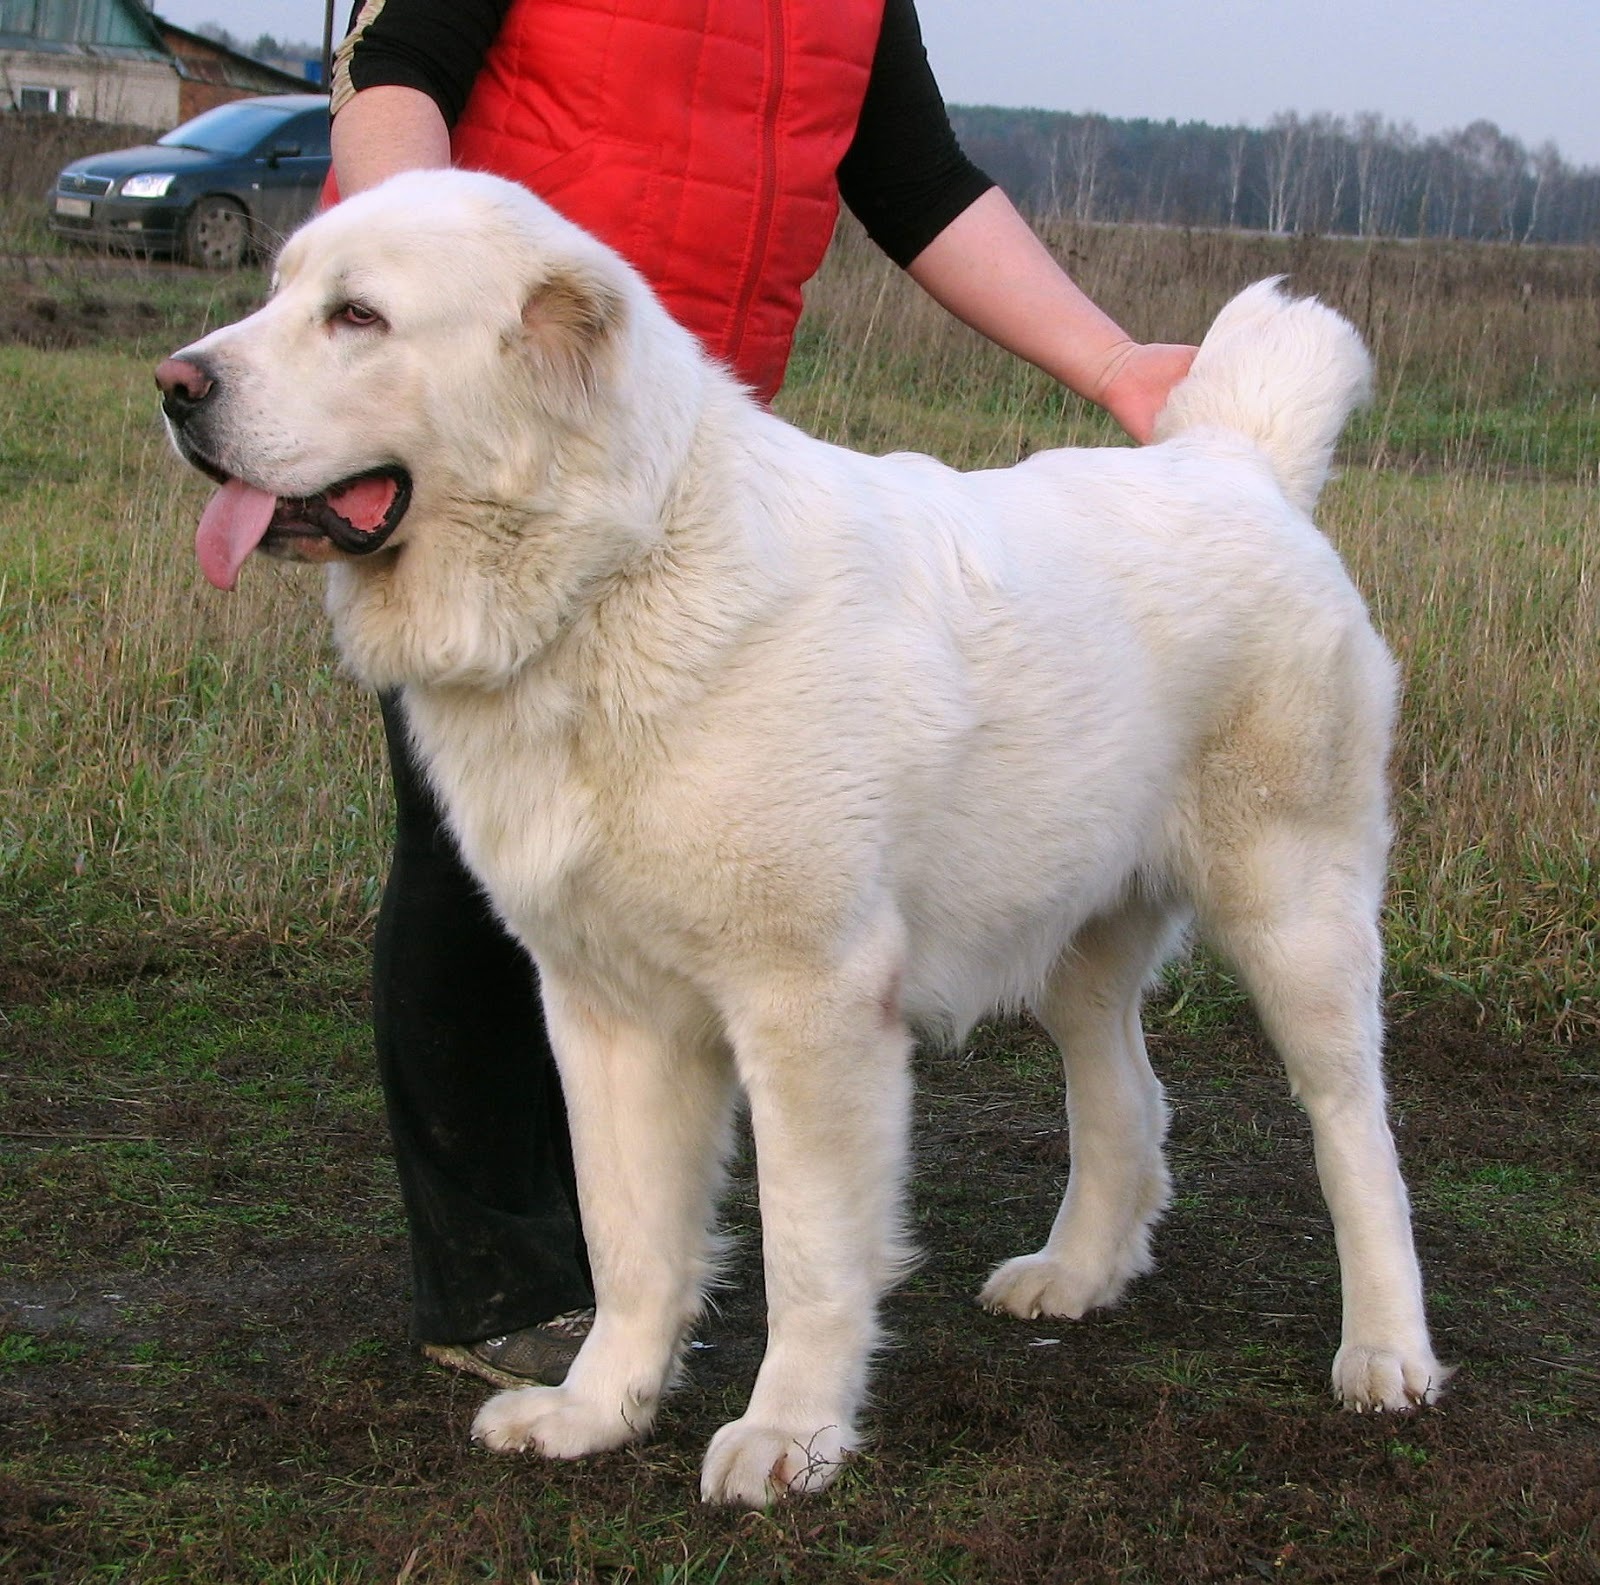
[{"x": 39, "y": 100}]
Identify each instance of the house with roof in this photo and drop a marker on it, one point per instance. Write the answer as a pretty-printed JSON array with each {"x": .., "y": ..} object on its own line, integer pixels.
[{"x": 114, "y": 60}]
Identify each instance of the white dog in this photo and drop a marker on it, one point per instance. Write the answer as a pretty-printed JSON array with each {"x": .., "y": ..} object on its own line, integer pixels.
[{"x": 772, "y": 753}]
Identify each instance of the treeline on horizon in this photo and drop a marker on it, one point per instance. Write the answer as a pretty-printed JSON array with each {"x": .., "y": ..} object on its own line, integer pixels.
[{"x": 1323, "y": 174}]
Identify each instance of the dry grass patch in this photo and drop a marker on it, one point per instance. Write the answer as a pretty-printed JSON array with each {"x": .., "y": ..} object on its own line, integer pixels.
[
  {"x": 1486, "y": 588},
  {"x": 175, "y": 755},
  {"x": 178, "y": 755}
]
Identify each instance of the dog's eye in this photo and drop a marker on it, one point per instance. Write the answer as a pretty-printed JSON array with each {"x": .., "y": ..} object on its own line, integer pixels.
[{"x": 357, "y": 315}]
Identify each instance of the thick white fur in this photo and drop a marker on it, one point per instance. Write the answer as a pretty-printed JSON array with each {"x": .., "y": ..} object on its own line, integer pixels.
[{"x": 772, "y": 753}]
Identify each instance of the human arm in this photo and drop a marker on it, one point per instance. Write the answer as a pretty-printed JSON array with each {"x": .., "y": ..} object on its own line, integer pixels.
[
  {"x": 958, "y": 236},
  {"x": 400, "y": 79},
  {"x": 384, "y": 130},
  {"x": 989, "y": 269}
]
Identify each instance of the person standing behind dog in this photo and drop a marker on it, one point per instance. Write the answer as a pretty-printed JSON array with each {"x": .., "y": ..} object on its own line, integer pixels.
[{"x": 708, "y": 142}]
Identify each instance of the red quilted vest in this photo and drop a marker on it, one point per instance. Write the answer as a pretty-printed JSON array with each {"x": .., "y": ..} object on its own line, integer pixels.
[{"x": 699, "y": 138}]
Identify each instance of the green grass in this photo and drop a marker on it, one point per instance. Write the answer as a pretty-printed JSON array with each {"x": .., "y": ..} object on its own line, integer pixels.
[
  {"x": 187, "y": 1080},
  {"x": 1545, "y": 432}
]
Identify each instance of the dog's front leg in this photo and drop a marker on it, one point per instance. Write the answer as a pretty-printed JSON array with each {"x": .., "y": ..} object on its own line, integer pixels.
[
  {"x": 827, "y": 1072},
  {"x": 650, "y": 1120}
]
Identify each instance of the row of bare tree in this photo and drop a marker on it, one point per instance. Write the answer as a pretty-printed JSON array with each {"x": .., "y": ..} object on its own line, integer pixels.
[{"x": 1361, "y": 176}]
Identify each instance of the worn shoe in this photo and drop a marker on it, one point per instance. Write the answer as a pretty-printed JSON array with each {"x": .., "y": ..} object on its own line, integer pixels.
[{"x": 534, "y": 1356}]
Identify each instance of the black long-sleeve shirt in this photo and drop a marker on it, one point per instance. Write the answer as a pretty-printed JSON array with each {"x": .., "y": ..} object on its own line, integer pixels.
[{"x": 904, "y": 176}]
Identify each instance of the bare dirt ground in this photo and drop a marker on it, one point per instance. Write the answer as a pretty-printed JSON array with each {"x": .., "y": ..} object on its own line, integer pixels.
[
  {"x": 203, "y": 1371},
  {"x": 63, "y": 301}
]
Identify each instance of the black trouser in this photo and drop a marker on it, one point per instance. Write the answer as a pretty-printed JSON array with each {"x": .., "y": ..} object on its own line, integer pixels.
[{"x": 474, "y": 1103}]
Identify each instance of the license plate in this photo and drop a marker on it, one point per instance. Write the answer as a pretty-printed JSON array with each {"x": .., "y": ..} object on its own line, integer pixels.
[{"x": 74, "y": 208}]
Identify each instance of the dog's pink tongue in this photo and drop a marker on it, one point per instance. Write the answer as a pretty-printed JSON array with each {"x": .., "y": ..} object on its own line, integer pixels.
[{"x": 230, "y": 528}]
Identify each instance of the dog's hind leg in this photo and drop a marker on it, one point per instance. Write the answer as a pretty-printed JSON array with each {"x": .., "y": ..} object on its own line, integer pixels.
[
  {"x": 650, "y": 1119},
  {"x": 1117, "y": 1186},
  {"x": 1294, "y": 908},
  {"x": 825, "y": 1060}
]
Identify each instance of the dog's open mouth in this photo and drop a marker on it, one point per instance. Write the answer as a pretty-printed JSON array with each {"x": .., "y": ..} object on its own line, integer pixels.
[{"x": 355, "y": 516}]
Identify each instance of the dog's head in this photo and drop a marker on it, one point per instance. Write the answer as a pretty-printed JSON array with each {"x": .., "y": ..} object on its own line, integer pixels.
[{"x": 441, "y": 346}]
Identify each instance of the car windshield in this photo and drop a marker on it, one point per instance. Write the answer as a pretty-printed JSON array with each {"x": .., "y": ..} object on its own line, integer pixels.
[{"x": 229, "y": 129}]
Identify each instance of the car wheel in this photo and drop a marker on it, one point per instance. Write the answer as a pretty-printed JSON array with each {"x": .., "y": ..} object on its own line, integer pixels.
[{"x": 216, "y": 236}]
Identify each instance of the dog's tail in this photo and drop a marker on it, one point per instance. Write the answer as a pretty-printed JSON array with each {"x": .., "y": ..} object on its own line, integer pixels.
[{"x": 1285, "y": 372}]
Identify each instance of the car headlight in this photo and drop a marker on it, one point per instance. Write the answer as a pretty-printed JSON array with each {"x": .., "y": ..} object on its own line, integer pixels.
[{"x": 151, "y": 185}]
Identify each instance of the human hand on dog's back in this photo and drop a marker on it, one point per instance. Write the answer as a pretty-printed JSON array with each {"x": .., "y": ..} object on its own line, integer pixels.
[{"x": 1137, "y": 385}]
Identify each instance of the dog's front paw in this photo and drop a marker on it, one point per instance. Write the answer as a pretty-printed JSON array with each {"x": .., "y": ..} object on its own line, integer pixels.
[
  {"x": 1035, "y": 1285},
  {"x": 1371, "y": 1378},
  {"x": 555, "y": 1422},
  {"x": 754, "y": 1466}
]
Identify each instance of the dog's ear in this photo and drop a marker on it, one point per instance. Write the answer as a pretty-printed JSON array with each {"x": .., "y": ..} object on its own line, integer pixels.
[{"x": 571, "y": 322}]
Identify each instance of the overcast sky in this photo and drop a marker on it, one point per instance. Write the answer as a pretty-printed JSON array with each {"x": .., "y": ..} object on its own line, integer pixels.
[{"x": 1529, "y": 65}]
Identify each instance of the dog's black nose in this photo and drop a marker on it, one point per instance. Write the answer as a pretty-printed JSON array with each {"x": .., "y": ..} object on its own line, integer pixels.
[{"x": 184, "y": 386}]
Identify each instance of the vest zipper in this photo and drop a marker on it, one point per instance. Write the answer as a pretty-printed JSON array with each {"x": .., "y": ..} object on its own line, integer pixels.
[{"x": 766, "y": 177}]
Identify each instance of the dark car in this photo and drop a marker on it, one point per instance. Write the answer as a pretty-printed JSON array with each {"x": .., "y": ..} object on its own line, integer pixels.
[{"x": 227, "y": 184}]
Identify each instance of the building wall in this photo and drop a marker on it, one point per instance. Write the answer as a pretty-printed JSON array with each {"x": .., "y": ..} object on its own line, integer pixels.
[
  {"x": 130, "y": 93},
  {"x": 194, "y": 97},
  {"x": 212, "y": 75}
]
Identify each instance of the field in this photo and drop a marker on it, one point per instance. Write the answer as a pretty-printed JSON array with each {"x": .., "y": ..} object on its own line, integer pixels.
[{"x": 203, "y": 1368}]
